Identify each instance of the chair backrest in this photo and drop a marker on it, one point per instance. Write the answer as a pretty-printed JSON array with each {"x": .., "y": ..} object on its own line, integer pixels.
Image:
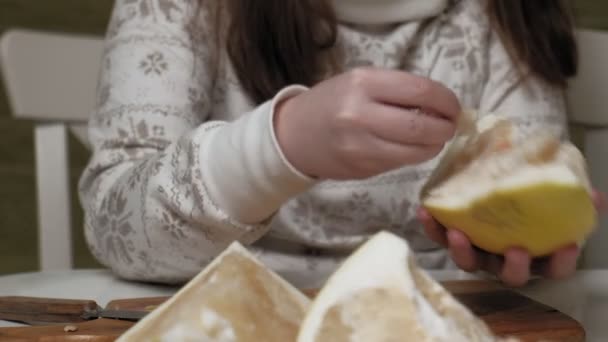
[
  {"x": 51, "y": 79},
  {"x": 587, "y": 110}
]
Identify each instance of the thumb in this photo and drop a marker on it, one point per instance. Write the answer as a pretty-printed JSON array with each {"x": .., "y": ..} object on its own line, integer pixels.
[{"x": 432, "y": 228}]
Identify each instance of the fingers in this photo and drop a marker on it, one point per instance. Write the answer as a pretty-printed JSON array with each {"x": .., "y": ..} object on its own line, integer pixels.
[
  {"x": 407, "y": 90},
  {"x": 513, "y": 269},
  {"x": 370, "y": 155},
  {"x": 406, "y": 127},
  {"x": 516, "y": 268},
  {"x": 601, "y": 201},
  {"x": 562, "y": 263},
  {"x": 492, "y": 263},
  {"x": 462, "y": 251},
  {"x": 432, "y": 228},
  {"x": 393, "y": 155}
]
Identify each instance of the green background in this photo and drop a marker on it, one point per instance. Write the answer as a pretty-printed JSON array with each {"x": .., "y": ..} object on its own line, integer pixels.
[{"x": 18, "y": 246}]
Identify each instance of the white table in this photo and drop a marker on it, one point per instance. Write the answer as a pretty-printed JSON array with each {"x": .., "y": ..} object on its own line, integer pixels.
[{"x": 584, "y": 297}]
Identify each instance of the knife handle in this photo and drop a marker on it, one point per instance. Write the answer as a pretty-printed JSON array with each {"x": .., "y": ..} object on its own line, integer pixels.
[{"x": 35, "y": 310}]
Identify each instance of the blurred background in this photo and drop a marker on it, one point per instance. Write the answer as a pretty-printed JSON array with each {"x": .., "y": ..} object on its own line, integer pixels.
[{"x": 18, "y": 219}]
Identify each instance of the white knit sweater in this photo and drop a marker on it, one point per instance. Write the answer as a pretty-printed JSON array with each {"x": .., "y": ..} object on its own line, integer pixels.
[{"x": 183, "y": 163}]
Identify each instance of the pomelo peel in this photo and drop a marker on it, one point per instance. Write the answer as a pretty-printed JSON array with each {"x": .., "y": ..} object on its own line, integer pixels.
[{"x": 504, "y": 189}]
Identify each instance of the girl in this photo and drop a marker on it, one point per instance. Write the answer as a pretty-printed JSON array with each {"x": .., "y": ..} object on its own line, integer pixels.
[{"x": 301, "y": 127}]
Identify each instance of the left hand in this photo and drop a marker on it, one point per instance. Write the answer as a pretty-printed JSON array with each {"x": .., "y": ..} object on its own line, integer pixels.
[{"x": 516, "y": 266}]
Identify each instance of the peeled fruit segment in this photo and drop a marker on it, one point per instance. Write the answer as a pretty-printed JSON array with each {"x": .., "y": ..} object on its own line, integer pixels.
[
  {"x": 379, "y": 294},
  {"x": 235, "y": 298},
  {"x": 505, "y": 190}
]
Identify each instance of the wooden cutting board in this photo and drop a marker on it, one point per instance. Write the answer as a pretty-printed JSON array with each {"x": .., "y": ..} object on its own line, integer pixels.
[{"x": 506, "y": 312}]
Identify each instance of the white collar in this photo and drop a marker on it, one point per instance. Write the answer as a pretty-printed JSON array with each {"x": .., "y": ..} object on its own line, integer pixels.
[{"x": 377, "y": 12}]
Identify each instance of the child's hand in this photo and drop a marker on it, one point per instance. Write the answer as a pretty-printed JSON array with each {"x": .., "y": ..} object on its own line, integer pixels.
[
  {"x": 364, "y": 122},
  {"x": 516, "y": 266}
]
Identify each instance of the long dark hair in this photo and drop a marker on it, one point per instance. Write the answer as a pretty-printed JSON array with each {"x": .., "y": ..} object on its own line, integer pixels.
[{"x": 274, "y": 43}]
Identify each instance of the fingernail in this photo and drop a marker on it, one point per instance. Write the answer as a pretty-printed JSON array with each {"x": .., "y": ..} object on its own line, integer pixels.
[
  {"x": 462, "y": 252},
  {"x": 565, "y": 265},
  {"x": 423, "y": 214},
  {"x": 453, "y": 236}
]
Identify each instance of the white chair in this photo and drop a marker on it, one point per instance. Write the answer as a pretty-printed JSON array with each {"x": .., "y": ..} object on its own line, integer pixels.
[
  {"x": 587, "y": 98},
  {"x": 51, "y": 80}
]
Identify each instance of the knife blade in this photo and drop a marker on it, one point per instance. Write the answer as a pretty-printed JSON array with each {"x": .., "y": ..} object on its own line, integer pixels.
[{"x": 39, "y": 310}]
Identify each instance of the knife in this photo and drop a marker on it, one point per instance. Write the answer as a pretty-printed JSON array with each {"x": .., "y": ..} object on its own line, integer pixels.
[{"x": 38, "y": 310}]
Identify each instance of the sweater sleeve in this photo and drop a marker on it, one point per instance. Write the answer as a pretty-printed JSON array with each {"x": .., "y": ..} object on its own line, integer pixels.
[
  {"x": 530, "y": 102},
  {"x": 167, "y": 188}
]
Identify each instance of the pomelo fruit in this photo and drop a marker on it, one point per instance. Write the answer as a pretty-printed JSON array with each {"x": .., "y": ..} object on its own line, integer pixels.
[
  {"x": 235, "y": 298},
  {"x": 504, "y": 189},
  {"x": 379, "y": 294}
]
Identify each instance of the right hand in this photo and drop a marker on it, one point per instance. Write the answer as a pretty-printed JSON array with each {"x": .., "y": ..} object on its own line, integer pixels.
[{"x": 365, "y": 122}]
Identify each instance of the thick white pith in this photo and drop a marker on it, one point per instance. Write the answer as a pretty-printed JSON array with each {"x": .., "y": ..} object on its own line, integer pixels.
[
  {"x": 529, "y": 161},
  {"x": 202, "y": 320},
  {"x": 461, "y": 192},
  {"x": 383, "y": 263}
]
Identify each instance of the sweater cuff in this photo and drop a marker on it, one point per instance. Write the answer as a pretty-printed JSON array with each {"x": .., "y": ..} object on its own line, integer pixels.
[{"x": 244, "y": 169}]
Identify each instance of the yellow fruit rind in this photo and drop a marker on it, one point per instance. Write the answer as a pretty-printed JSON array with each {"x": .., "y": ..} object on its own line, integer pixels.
[{"x": 540, "y": 218}]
